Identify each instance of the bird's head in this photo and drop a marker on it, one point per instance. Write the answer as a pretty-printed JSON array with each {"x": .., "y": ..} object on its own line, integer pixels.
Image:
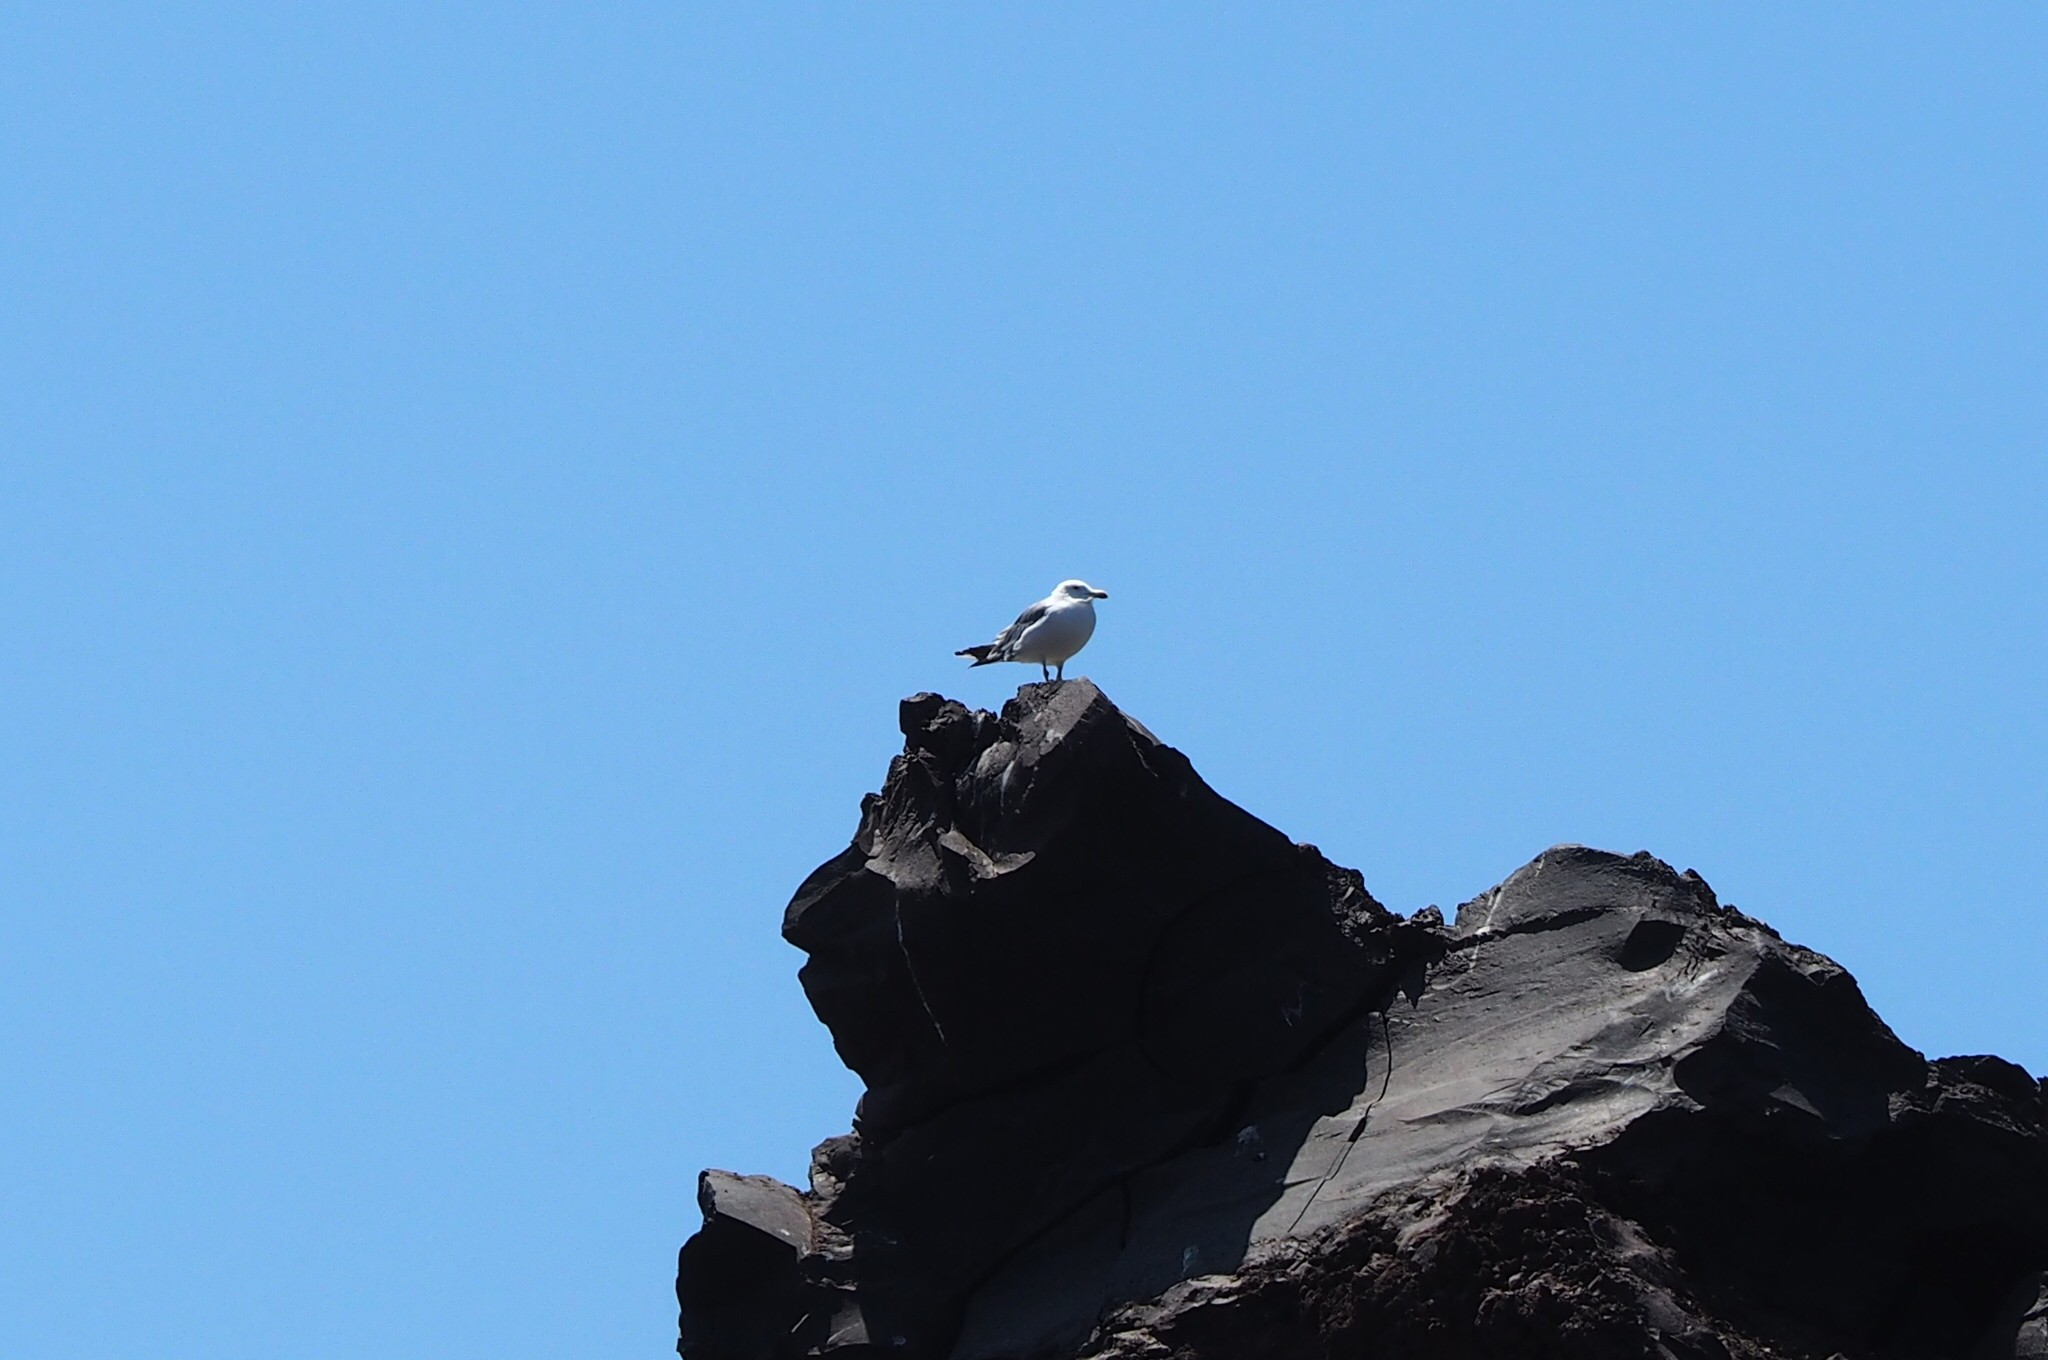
[{"x": 1078, "y": 590}]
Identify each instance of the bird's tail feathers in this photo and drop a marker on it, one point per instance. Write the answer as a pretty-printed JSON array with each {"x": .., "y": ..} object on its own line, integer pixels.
[{"x": 980, "y": 654}]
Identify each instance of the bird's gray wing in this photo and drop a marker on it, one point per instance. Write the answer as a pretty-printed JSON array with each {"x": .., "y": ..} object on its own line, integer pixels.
[{"x": 1009, "y": 637}]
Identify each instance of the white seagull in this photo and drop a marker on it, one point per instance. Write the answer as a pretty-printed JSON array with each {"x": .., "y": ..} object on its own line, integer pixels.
[{"x": 1048, "y": 632}]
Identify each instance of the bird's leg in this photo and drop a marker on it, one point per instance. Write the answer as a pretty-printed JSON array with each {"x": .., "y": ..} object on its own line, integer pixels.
[
  {"x": 1043, "y": 673},
  {"x": 1063, "y": 673}
]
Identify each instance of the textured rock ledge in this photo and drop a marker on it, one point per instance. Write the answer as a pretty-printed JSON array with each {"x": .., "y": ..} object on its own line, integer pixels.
[{"x": 1146, "y": 1079}]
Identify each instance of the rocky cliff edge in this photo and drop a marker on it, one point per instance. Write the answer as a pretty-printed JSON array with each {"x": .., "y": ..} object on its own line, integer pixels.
[{"x": 1146, "y": 1079}]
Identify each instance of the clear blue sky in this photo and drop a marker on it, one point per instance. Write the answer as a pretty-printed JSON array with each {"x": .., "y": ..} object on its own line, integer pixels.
[{"x": 475, "y": 482}]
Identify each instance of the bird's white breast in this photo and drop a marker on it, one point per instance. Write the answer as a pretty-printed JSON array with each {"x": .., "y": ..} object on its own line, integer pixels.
[{"x": 1064, "y": 630}]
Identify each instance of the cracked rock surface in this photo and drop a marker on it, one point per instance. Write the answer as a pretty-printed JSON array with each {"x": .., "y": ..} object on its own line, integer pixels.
[{"x": 1146, "y": 1079}]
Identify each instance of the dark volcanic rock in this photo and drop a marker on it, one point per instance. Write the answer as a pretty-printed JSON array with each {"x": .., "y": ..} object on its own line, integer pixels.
[{"x": 1145, "y": 1079}]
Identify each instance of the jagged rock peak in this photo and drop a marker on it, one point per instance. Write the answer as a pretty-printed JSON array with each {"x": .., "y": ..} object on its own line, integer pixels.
[
  {"x": 1145, "y": 1078},
  {"x": 1032, "y": 890}
]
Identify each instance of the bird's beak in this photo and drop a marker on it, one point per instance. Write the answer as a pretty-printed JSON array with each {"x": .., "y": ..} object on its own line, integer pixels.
[{"x": 1100, "y": 594}]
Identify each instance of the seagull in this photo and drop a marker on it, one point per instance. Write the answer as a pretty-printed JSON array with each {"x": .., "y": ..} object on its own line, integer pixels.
[{"x": 1048, "y": 632}]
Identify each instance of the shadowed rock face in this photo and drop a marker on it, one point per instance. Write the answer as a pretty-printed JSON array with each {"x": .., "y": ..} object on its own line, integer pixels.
[{"x": 1144, "y": 1078}]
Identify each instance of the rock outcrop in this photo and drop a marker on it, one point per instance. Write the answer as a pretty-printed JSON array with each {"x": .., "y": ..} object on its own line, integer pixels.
[{"x": 1146, "y": 1079}]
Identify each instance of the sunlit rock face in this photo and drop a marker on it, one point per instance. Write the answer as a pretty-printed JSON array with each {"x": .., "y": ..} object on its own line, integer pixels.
[{"x": 1147, "y": 1079}]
